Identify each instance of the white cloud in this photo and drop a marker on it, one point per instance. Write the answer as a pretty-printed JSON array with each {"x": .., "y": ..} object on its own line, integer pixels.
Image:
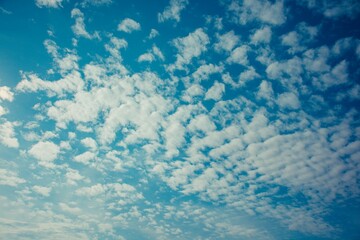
[
  {"x": 202, "y": 182},
  {"x": 239, "y": 55},
  {"x": 92, "y": 191},
  {"x": 79, "y": 27},
  {"x": 45, "y": 191},
  {"x": 83, "y": 128},
  {"x": 190, "y": 46},
  {"x": 342, "y": 45},
  {"x": 65, "y": 145},
  {"x": 195, "y": 90},
  {"x": 174, "y": 135},
  {"x": 66, "y": 62},
  {"x": 146, "y": 57},
  {"x": 315, "y": 60},
  {"x": 70, "y": 83},
  {"x": 227, "y": 41},
  {"x": 86, "y": 3},
  {"x": 271, "y": 12},
  {"x": 151, "y": 55},
  {"x": 89, "y": 143},
  {"x": 298, "y": 39},
  {"x": 354, "y": 92},
  {"x": 218, "y": 23},
  {"x": 226, "y": 77},
  {"x": 292, "y": 40},
  {"x": 94, "y": 73},
  {"x": 307, "y": 32},
  {"x": 334, "y": 9},
  {"x": 265, "y": 90},
  {"x": 248, "y": 75},
  {"x": 52, "y": 48},
  {"x": 7, "y": 134},
  {"x": 6, "y": 94},
  {"x": 125, "y": 192},
  {"x": 303, "y": 166},
  {"x": 66, "y": 208},
  {"x": 202, "y": 123},
  {"x": 128, "y": 25},
  {"x": 290, "y": 69},
  {"x": 10, "y": 178},
  {"x": 85, "y": 157},
  {"x": 153, "y": 33},
  {"x": 46, "y": 152},
  {"x": 172, "y": 12},
  {"x": 358, "y": 50},
  {"x": 215, "y": 92},
  {"x": 72, "y": 176},
  {"x": 338, "y": 75},
  {"x": 115, "y": 45},
  {"x": 288, "y": 100},
  {"x": 3, "y": 111},
  {"x": 157, "y": 52},
  {"x": 120, "y": 193},
  {"x": 48, "y": 3},
  {"x": 204, "y": 71},
  {"x": 71, "y": 135},
  {"x": 262, "y": 35},
  {"x": 345, "y": 9},
  {"x": 236, "y": 151}
]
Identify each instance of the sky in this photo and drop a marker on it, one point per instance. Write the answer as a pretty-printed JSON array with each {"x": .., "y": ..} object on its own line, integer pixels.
[{"x": 179, "y": 119}]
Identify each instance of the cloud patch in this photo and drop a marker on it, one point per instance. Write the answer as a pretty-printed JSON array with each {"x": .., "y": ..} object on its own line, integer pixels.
[
  {"x": 128, "y": 25},
  {"x": 46, "y": 152},
  {"x": 48, "y": 3},
  {"x": 173, "y": 11}
]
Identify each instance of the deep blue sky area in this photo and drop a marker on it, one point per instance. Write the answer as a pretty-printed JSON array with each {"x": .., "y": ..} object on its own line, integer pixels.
[{"x": 179, "y": 119}]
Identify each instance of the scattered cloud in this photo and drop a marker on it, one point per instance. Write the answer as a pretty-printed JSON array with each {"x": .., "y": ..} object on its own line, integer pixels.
[
  {"x": 96, "y": 3},
  {"x": 239, "y": 55},
  {"x": 8, "y": 134},
  {"x": 72, "y": 210},
  {"x": 6, "y": 94},
  {"x": 190, "y": 47},
  {"x": 204, "y": 72},
  {"x": 215, "y": 92},
  {"x": 46, "y": 152},
  {"x": 271, "y": 12},
  {"x": 10, "y": 178},
  {"x": 44, "y": 191},
  {"x": 240, "y": 124},
  {"x": 146, "y": 57},
  {"x": 32, "y": 83},
  {"x": 288, "y": 100},
  {"x": 334, "y": 9},
  {"x": 48, "y": 3},
  {"x": 128, "y": 25},
  {"x": 85, "y": 157},
  {"x": 227, "y": 41},
  {"x": 79, "y": 27},
  {"x": 262, "y": 35},
  {"x": 173, "y": 11},
  {"x": 89, "y": 143},
  {"x": 153, "y": 33}
]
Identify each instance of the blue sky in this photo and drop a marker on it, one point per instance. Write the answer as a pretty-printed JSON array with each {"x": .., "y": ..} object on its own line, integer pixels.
[{"x": 179, "y": 119}]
